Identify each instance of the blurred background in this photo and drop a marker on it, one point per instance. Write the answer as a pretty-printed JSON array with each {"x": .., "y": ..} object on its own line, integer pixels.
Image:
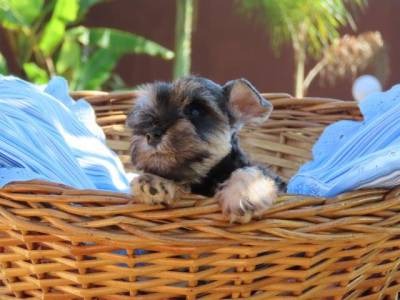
[{"x": 303, "y": 47}]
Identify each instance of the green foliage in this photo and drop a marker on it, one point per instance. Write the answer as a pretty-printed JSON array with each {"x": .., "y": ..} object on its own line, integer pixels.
[
  {"x": 315, "y": 23},
  {"x": 309, "y": 25},
  {"x": 97, "y": 69},
  {"x": 19, "y": 13},
  {"x": 65, "y": 12},
  {"x": 3, "y": 65},
  {"x": 85, "y": 5},
  {"x": 35, "y": 73},
  {"x": 110, "y": 45},
  {"x": 120, "y": 42},
  {"x": 47, "y": 39}
]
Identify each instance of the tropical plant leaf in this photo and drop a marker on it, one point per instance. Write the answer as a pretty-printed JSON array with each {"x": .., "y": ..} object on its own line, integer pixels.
[
  {"x": 65, "y": 11},
  {"x": 85, "y": 5},
  {"x": 120, "y": 42},
  {"x": 3, "y": 65},
  {"x": 35, "y": 73},
  {"x": 69, "y": 57},
  {"x": 86, "y": 57},
  {"x": 109, "y": 46},
  {"x": 7, "y": 18},
  {"x": 97, "y": 69},
  {"x": 315, "y": 22},
  {"x": 52, "y": 36},
  {"x": 79, "y": 33},
  {"x": 19, "y": 12}
]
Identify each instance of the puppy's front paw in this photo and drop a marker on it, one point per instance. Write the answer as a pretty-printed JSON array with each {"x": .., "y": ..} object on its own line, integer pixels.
[
  {"x": 247, "y": 192},
  {"x": 152, "y": 189}
]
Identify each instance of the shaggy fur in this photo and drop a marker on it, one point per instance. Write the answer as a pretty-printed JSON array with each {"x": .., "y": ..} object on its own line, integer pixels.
[{"x": 185, "y": 133}]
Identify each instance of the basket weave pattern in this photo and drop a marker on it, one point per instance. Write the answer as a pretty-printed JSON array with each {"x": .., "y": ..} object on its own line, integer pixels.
[{"x": 61, "y": 243}]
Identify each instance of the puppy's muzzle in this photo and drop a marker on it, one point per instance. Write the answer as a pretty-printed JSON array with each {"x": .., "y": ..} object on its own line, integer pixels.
[{"x": 154, "y": 137}]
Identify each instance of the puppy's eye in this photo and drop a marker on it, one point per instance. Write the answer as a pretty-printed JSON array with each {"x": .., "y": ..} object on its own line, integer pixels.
[{"x": 194, "y": 110}]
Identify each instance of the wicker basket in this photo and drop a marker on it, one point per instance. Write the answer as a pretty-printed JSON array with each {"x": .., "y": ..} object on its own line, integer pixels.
[{"x": 302, "y": 248}]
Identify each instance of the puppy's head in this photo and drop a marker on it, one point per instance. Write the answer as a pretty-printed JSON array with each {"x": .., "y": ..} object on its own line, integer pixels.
[{"x": 182, "y": 129}]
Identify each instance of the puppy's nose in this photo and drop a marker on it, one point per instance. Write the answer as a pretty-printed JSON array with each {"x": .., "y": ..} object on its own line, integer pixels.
[{"x": 154, "y": 137}]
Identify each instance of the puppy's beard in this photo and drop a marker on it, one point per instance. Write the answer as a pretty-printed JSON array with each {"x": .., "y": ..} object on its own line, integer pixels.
[
  {"x": 181, "y": 154},
  {"x": 157, "y": 160}
]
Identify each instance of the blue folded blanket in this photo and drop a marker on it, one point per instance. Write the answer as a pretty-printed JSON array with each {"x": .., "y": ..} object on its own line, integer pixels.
[
  {"x": 352, "y": 155},
  {"x": 44, "y": 134}
]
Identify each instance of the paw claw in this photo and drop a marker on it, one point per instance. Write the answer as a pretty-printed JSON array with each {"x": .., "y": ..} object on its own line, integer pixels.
[
  {"x": 244, "y": 217},
  {"x": 245, "y": 194}
]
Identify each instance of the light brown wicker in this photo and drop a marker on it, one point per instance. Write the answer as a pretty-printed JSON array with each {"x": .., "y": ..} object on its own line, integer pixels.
[{"x": 60, "y": 243}]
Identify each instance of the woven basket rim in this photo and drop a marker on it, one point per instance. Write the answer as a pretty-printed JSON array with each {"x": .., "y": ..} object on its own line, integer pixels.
[{"x": 280, "y": 222}]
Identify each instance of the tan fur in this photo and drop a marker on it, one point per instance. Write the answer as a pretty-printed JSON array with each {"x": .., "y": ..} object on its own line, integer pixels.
[
  {"x": 186, "y": 156},
  {"x": 219, "y": 146},
  {"x": 152, "y": 189},
  {"x": 245, "y": 192},
  {"x": 148, "y": 157},
  {"x": 247, "y": 105},
  {"x": 166, "y": 156}
]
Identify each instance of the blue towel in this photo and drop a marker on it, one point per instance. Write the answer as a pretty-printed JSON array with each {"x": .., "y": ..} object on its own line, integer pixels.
[
  {"x": 45, "y": 134},
  {"x": 352, "y": 155}
]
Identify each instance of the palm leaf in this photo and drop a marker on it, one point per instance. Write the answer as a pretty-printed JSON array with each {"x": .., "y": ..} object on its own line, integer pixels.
[
  {"x": 65, "y": 11},
  {"x": 35, "y": 73},
  {"x": 121, "y": 42},
  {"x": 315, "y": 22},
  {"x": 96, "y": 70},
  {"x": 14, "y": 13},
  {"x": 102, "y": 49}
]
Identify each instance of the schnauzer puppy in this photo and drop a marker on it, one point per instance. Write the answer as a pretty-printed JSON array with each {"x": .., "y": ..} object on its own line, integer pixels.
[{"x": 185, "y": 135}]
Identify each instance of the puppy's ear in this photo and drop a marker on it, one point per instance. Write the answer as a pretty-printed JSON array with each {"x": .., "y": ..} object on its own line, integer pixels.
[{"x": 246, "y": 103}]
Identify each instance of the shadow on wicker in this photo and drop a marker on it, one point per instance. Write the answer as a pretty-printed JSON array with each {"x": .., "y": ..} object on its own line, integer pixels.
[{"x": 60, "y": 243}]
